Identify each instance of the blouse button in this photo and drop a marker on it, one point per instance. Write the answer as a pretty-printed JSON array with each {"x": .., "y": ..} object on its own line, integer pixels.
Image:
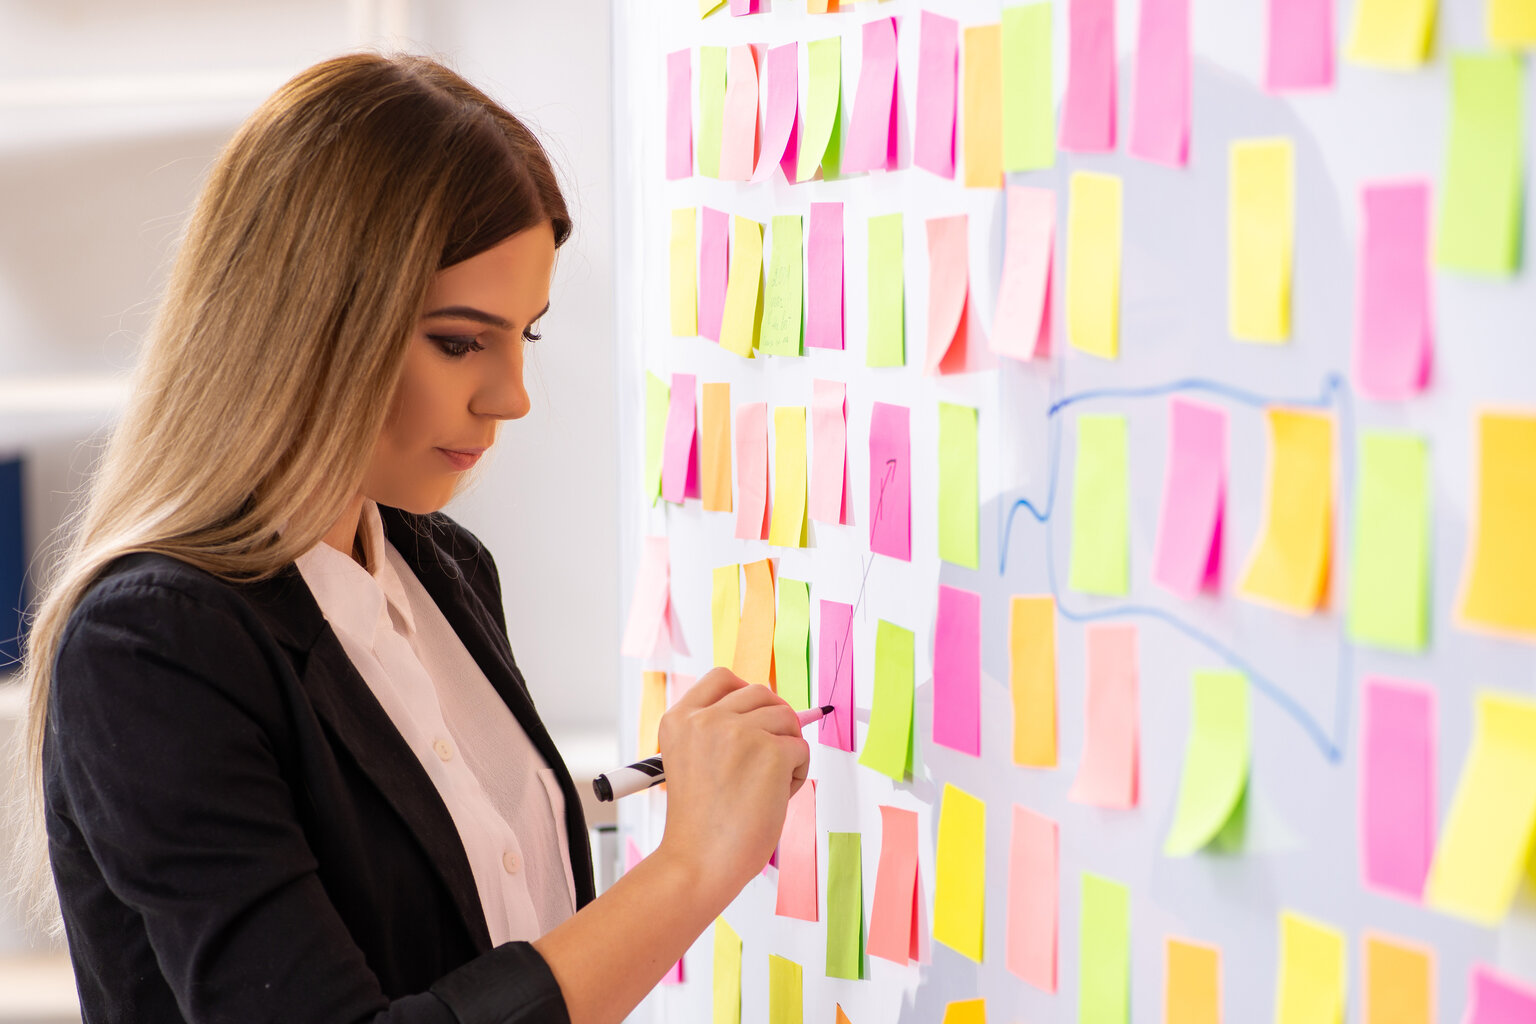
[
  {"x": 509, "y": 861},
  {"x": 444, "y": 751}
]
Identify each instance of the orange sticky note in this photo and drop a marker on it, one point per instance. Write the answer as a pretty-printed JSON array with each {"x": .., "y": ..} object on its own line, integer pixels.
[
  {"x": 653, "y": 702},
  {"x": 715, "y": 448},
  {"x": 1192, "y": 989},
  {"x": 893, "y": 915},
  {"x": 967, "y": 1011},
  {"x": 1498, "y": 583},
  {"x": 983, "y": 123},
  {"x": 753, "y": 660},
  {"x": 1289, "y": 565},
  {"x": 1399, "y": 981},
  {"x": 1032, "y": 676},
  {"x": 1109, "y": 775}
]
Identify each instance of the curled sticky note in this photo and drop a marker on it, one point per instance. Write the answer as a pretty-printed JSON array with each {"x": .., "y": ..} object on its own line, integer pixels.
[
  {"x": 819, "y": 142},
  {"x": 657, "y": 406},
  {"x": 1021, "y": 325},
  {"x": 1189, "y": 534},
  {"x": 714, "y": 266},
  {"x": 937, "y": 63},
  {"x": 738, "y": 138},
  {"x": 1289, "y": 564},
  {"x": 1480, "y": 223},
  {"x": 742, "y": 317},
  {"x": 1214, "y": 781},
  {"x": 871, "y": 142},
  {"x": 725, "y": 611},
  {"x": 948, "y": 292},
  {"x": 1499, "y": 999},
  {"x": 1498, "y": 579},
  {"x": 651, "y": 631},
  {"x": 752, "y": 471},
  {"x": 1088, "y": 108},
  {"x": 753, "y": 658},
  {"x": 680, "y": 457},
  {"x": 711, "y": 108},
  {"x": 1312, "y": 972},
  {"x": 1391, "y": 33},
  {"x": 782, "y": 71}
]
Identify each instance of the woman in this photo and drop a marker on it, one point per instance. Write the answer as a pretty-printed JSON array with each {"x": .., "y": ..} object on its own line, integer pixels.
[{"x": 283, "y": 764}]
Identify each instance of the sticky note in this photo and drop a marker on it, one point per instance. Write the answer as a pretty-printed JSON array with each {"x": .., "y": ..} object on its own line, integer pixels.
[
  {"x": 792, "y": 643},
  {"x": 797, "y": 857},
  {"x": 871, "y": 145},
  {"x": 887, "y": 315},
  {"x": 1496, "y": 580},
  {"x": 1029, "y": 107},
  {"x": 1088, "y": 108},
  {"x": 657, "y": 405},
  {"x": 818, "y": 145},
  {"x": 1033, "y": 863},
  {"x": 1101, "y": 507},
  {"x": 1399, "y": 982},
  {"x": 834, "y": 675},
  {"x": 1389, "y": 570},
  {"x": 1188, "y": 554},
  {"x": 966, "y": 1011},
  {"x": 1486, "y": 838},
  {"x": 948, "y": 290},
  {"x": 983, "y": 96},
  {"x": 1394, "y": 325},
  {"x": 742, "y": 316},
  {"x": 890, "y": 481},
  {"x": 1108, "y": 775},
  {"x": 782, "y": 307},
  {"x": 1311, "y": 977},
  {"x": 714, "y": 266},
  {"x": 1032, "y": 679},
  {"x": 648, "y": 633},
  {"x": 888, "y": 744},
  {"x": 1216, "y": 757},
  {"x": 1160, "y": 111},
  {"x": 738, "y": 137},
  {"x": 1497, "y": 999},
  {"x": 725, "y": 611},
  {"x": 786, "y": 996},
  {"x": 715, "y": 447},
  {"x": 680, "y": 455},
  {"x": 1093, "y": 263},
  {"x": 679, "y": 114},
  {"x": 938, "y": 49},
  {"x": 845, "y": 906},
  {"x": 1511, "y": 23},
  {"x": 829, "y": 440},
  {"x": 824, "y": 277},
  {"x": 1104, "y": 952},
  {"x": 782, "y": 72},
  {"x": 752, "y": 471},
  {"x": 959, "y": 486},
  {"x": 1261, "y": 233},
  {"x": 708, "y": 7},
  {"x": 753, "y": 658},
  {"x": 788, "y": 526},
  {"x": 1300, "y": 50},
  {"x": 1021, "y": 325},
  {"x": 1484, "y": 180},
  {"x": 1288, "y": 567},
  {"x": 653, "y": 703},
  {"x": 957, "y": 671},
  {"x": 1391, "y": 33},
  {"x": 1192, "y": 986},
  {"x": 893, "y": 914},
  {"x": 727, "y": 993},
  {"x": 711, "y": 108},
  {"x": 683, "y": 267},
  {"x": 960, "y": 863}
]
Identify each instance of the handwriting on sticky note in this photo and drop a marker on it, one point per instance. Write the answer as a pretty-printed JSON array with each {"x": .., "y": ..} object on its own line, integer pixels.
[
  {"x": 890, "y": 481},
  {"x": 782, "y": 306},
  {"x": 834, "y": 674}
]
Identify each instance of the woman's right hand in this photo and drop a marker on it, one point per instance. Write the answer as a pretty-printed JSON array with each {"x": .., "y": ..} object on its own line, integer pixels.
[{"x": 734, "y": 755}]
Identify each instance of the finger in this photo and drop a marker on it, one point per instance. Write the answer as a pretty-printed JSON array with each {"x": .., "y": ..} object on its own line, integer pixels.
[
  {"x": 710, "y": 688},
  {"x": 751, "y": 698},
  {"x": 779, "y": 719}
]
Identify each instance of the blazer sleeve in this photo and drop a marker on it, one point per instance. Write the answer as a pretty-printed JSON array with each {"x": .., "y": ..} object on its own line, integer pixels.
[{"x": 162, "y": 722}]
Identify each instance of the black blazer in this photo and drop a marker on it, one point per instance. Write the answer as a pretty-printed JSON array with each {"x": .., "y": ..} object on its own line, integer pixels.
[{"x": 237, "y": 830}]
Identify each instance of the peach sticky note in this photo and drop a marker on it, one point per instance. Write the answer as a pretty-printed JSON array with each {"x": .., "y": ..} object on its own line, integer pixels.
[
  {"x": 712, "y": 61},
  {"x": 1033, "y": 863},
  {"x": 792, "y": 643},
  {"x": 948, "y": 288},
  {"x": 680, "y": 458},
  {"x": 725, "y": 611},
  {"x": 1392, "y": 33},
  {"x": 782, "y": 71},
  {"x": 1498, "y": 578},
  {"x": 1288, "y": 567},
  {"x": 937, "y": 63},
  {"x": 783, "y": 305},
  {"x": 714, "y": 266},
  {"x": 1397, "y": 786},
  {"x": 679, "y": 114},
  {"x": 1093, "y": 263},
  {"x": 834, "y": 675},
  {"x": 983, "y": 124},
  {"x": 829, "y": 441},
  {"x": 742, "y": 317},
  {"x": 1312, "y": 972},
  {"x": 960, "y": 864},
  {"x": 1399, "y": 981},
  {"x": 1021, "y": 325},
  {"x": 820, "y": 138},
  {"x": 1032, "y": 679},
  {"x": 871, "y": 140},
  {"x": 1394, "y": 320},
  {"x": 1088, "y": 108},
  {"x": 753, "y": 659},
  {"x": 788, "y": 528},
  {"x": 1104, "y": 951},
  {"x": 1160, "y": 117},
  {"x": 1261, "y": 233},
  {"x": 1189, "y": 534},
  {"x": 1192, "y": 986},
  {"x": 715, "y": 447},
  {"x": 752, "y": 471},
  {"x": 653, "y": 703},
  {"x": 824, "y": 277},
  {"x": 652, "y": 628},
  {"x": 893, "y": 914},
  {"x": 957, "y": 671},
  {"x": 1300, "y": 52},
  {"x": 683, "y": 270},
  {"x": 797, "y": 857},
  {"x": 1108, "y": 775},
  {"x": 890, "y": 482},
  {"x": 738, "y": 137},
  {"x": 1497, "y": 999},
  {"x": 727, "y": 989},
  {"x": 1214, "y": 780},
  {"x": 1029, "y": 104}
]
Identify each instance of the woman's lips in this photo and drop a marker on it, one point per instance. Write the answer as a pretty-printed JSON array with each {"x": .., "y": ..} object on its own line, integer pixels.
[{"x": 461, "y": 460}]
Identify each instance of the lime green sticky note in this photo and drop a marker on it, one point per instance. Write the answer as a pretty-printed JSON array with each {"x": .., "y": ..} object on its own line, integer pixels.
[
  {"x": 845, "y": 906},
  {"x": 782, "y": 305},
  {"x": 1101, "y": 507},
  {"x": 792, "y": 643},
  {"x": 820, "y": 143},
  {"x": 1216, "y": 760},
  {"x": 1104, "y": 952},
  {"x": 959, "y": 487},
  {"x": 1480, "y": 213},
  {"x": 658, "y": 398},
  {"x": 786, "y": 991},
  {"x": 888, "y": 746},
  {"x": 711, "y": 108},
  {"x": 1389, "y": 571},
  {"x": 1029, "y": 110},
  {"x": 727, "y": 1000},
  {"x": 887, "y": 317},
  {"x": 960, "y": 864}
]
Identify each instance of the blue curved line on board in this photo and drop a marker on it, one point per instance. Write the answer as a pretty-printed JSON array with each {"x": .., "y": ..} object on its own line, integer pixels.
[{"x": 1332, "y": 391}]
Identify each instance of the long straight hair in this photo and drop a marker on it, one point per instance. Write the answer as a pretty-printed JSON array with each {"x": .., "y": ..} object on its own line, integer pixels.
[{"x": 272, "y": 360}]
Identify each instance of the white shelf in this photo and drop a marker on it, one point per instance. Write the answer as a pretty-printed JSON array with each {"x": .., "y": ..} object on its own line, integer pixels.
[
  {"x": 141, "y": 88},
  {"x": 62, "y": 394}
]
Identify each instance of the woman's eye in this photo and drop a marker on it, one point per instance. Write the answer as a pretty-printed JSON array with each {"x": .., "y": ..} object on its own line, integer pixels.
[{"x": 456, "y": 346}]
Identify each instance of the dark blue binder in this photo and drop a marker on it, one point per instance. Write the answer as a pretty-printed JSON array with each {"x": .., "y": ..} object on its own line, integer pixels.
[{"x": 13, "y": 562}]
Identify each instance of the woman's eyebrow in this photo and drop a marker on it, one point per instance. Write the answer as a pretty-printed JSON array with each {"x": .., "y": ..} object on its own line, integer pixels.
[{"x": 479, "y": 315}]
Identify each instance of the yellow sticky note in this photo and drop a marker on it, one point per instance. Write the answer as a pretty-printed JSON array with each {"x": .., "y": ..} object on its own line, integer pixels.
[
  {"x": 685, "y": 292},
  {"x": 983, "y": 123},
  {"x": 1192, "y": 992},
  {"x": 1486, "y": 840},
  {"x": 1512, "y": 22},
  {"x": 1032, "y": 678},
  {"x": 753, "y": 660},
  {"x": 1498, "y": 583},
  {"x": 1311, "y": 984},
  {"x": 1288, "y": 567},
  {"x": 742, "y": 317},
  {"x": 725, "y": 611},
  {"x": 1399, "y": 982},
  {"x": 961, "y": 866},
  {"x": 787, "y": 527},
  {"x": 1093, "y": 263},
  {"x": 727, "y": 1002},
  {"x": 653, "y": 703},
  {"x": 1261, "y": 230},
  {"x": 715, "y": 448},
  {"x": 1391, "y": 33},
  {"x": 786, "y": 994},
  {"x": 966, "y": 1011}
]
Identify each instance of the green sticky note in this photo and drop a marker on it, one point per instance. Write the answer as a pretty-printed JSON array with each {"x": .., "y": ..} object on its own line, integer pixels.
[
  {"x": 711, "y": 108},
  {"x": 792, "y": 643},
  {"x": 888, "y": 745},
  {"x": 1480, "y": 212},
  {"x": 727, "y": 989},
  {"x": 887, "y": 317},
  {"x": 1389, "y": 570},
  {"x": 786, "y": 991},
  {"x": 1216, "y": 758},
  {"x": 845, "y": 906},
  {"x": 1104, "y": 952},
  {"x": 782, "y": 306},
  {"x": 658, "y": 397},
  {"x": 959, "y": 487},
  {"x": 1101, "y": 507},
  {"x": 821, "y": 141},
  {"x": 1029, "y": 110}
]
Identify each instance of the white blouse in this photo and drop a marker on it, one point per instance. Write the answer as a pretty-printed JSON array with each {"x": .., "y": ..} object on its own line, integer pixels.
[{"x": 504, "y": 799}]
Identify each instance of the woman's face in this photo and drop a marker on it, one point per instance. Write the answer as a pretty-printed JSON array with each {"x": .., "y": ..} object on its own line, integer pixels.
[{"x": 463, "y": 372}]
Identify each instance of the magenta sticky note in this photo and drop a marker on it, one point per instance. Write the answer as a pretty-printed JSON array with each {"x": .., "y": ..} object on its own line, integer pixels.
[
  {"x": 1397, "y": 786},
  {"x": 1188, "y": 551},
  {"x": 680, "y": 449},
  {"x": 1300, "y": 51},
  {"x": 829, "y": 445},
  {"x": 742, "y": 7},
  {"x": 824, "y": 277},
  {"x": 890, "y": 481},
  {"x": 738, "y": 133},
  {"x": 781, "y": 69},
  {"x": 938, "y": 68},
  {"x": 834, "y": 674},
  {"x": 752, "y": 471},
  {"x": 1021, "y": 323},
  {"x": 1088, "y": 108},
  {"x": 1394, "y": 318},
  {"x": 714, "y": 269},
  {"x": 1497, "y": 999},
  {"x": 679, "y": 115},
  {"x": 1160, "y": 110},
  {"x": 869, "y": 130},
  {"x": 957, "y": 671}
]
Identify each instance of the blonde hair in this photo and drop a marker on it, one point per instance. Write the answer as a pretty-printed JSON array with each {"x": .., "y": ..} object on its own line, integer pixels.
[{"x": 270, "y": 366}]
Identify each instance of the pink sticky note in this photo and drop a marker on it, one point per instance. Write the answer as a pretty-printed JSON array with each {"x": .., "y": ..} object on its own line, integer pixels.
[
  {"x": 890, "y": 481},
  {"x": 797, "y": 857},
  {"x": 957, "y": 671},
  {"x": 752, "y": 471},
  {"x": 1397, "y": 786},
  {"x": 1394, "y": 322},
  {"x": 680, "y": 454},
  {"x": 893, "y": 913},
  {"x": 1108, "y": 773},
  {"x": 1497, "y": 999},
  {"x": 1188, "y": 556},
  {"x": 743, "y": 7},
  {"x": 679, "y": 115},
  {"x": 870, "y": 133},
  {"x": 948, "y": 286},
  {"x": 1300, "y": 53},
  {"x": 834, "y": 674},
  {"x": 714, "y": 269},
  {"x": 1160, "y": 117},
  {"x": 829, "y": 438},
  {"x": 1088, "y": 108},
  {"x": 824, "y": 277},
  {"x": 648, "y": 633},
  {"x": 938, "y": 66},
  {"x": 738, "y": 135},
  {"x": 1021, "y": 325},
  {"x": 782, "y": 71},
  {"x": 1032, "y": 899}
]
